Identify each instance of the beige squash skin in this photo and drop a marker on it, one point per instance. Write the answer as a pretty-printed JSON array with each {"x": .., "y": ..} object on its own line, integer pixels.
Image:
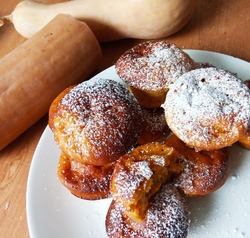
[
  {"x": 148, "y": 19},
  {"x": 110, "y": 19}
]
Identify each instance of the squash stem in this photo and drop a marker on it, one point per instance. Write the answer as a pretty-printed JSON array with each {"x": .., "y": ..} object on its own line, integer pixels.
[{"x": 5, "y": 19}]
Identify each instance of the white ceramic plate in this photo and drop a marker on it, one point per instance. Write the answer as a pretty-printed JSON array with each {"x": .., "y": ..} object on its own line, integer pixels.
[{"x": 52, "y": 211}]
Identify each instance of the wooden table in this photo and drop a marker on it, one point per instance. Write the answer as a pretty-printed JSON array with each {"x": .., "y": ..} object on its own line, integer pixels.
[{"x": 217, "y": 25}]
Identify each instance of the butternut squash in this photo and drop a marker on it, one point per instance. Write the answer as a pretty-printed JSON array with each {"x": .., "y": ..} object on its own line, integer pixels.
[
  {"x": 62, "y": 53},
  {"x": 110, "y": 19}
]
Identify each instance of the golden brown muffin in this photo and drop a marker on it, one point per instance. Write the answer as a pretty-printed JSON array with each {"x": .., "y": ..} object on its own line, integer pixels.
[
  {"x": 244, "y": 141},
  {"x": 96, "y": 121},
  {"x": 167, "y": 216},
  {"x": 140, "y": 174},
  {"x": 247, "y": 82},
  {"x": 203, "y": 65},
  {"x": 154, "y": 126},
  {"x": 85, "y": 181},
  {"x": 150, "y": 68},
  {"x": 208, "y": 108},
  {"x": 203, "y": 172}
]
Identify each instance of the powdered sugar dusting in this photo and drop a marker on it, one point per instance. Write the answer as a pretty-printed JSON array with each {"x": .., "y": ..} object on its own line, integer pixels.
[
  {"x": 167, "y": 216},
  {"x": 153, "y": 65},
  {"x": 99, "y": 117},
  {"x": 127, "y": 182},
  {"x": 203, "y": 174},
  {"x": 154, "y": 125},
  {"x": 154, "y": 120},
  {"x": 205, "y": 103}
]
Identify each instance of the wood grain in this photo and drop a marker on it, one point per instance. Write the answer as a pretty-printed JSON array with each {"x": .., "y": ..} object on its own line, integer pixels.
[{"x": 217, "y": 25}]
